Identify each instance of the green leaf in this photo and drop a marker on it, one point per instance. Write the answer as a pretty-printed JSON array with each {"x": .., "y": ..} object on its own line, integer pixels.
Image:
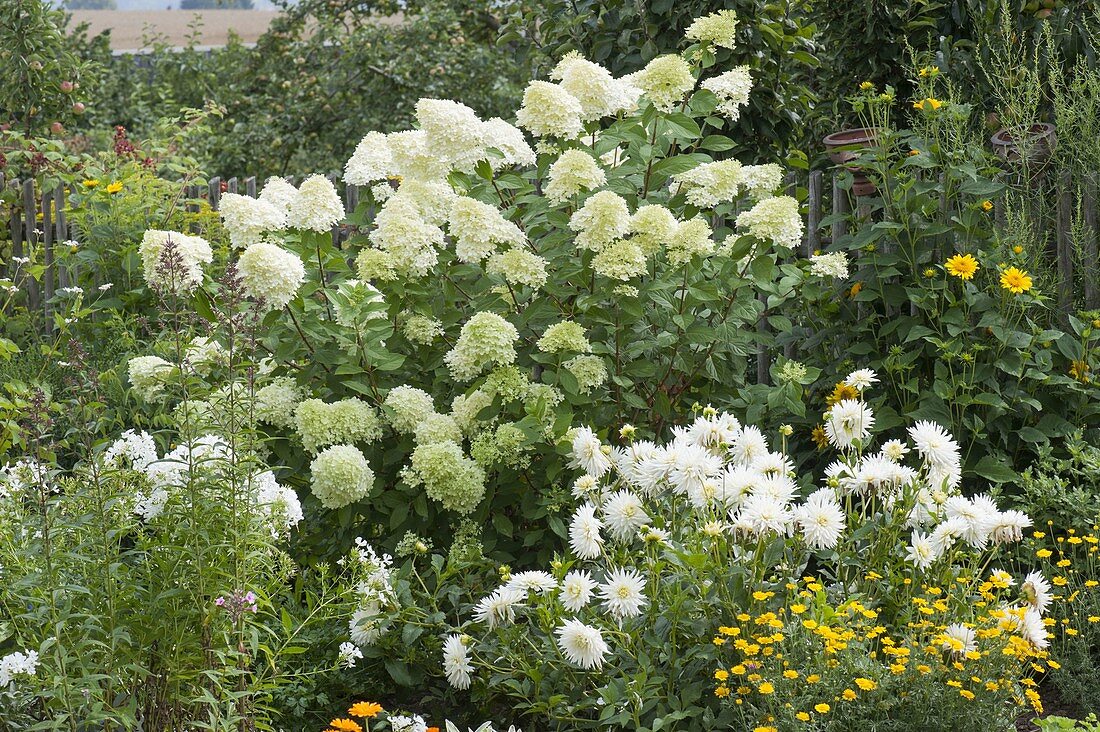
[{"x": 994, "y": 470}]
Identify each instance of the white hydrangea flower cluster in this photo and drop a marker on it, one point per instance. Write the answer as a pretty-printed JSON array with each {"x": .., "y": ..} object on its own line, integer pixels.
[
  {"x": 732, "y": 89},
  {"x": 719, "y": 481},
  {"x": 715, "y": 30},
  {"x": 316, "y": 207},
  {"x": 573, "y": 172},
  {"x": 349, "y": 420},
  {"x": 595, "y": 89},
  {"x": 148, "y": 375},
  {"x": 478, "y": 228},
  {"x": 518, "y": 267},
  {"x": 448, "y": 476},
  {"x": 485, "y": 339},
  {"x": 179, "y": 272},
  {"x": 420, "y": 329},
  {"x": 280, "y": 193},
  {"x": 665, "y": 81},
  {"x": 774, "y": 219},
  {"x": 275, "y": 403},
  {"x": 450, "y": 137},
  {"x": 247, "y": 219},
  {"x": 833, "y": 264},
  {"x": 710, "y": 184},
  {"x": 271, "y": 274},
  {"x": 341, "y": 476}
]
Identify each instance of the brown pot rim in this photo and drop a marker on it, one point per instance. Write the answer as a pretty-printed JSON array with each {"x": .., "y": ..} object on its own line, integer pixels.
[
  {"x": 851, "y": 136},
  {"x": 1010, "y": 136}
]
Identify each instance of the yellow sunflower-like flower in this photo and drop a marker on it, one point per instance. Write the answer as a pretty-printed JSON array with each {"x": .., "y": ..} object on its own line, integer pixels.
[
  {"x": 841, "y": 392},
  {"x": 1015, "y": 280},
  {"x": 345, "y": 725},
  {"x": 931, "y": 104},
  {"x": 962, "y": 266},
  {"x": 821, "y": 440},
  {"x": 114, "y": 187},
  {"x": 91, "y": 183}
]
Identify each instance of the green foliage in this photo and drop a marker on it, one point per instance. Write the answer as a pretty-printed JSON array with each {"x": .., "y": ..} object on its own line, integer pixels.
[
  {"x": 1056, "y": 723},
  {"x": 42, "y": 75},
  {"x": 307, "y": 79},
  {"x": 153, "y": 588},
  {"x": 876, "y": 42},
  {"x": 1006, "y": 371}
]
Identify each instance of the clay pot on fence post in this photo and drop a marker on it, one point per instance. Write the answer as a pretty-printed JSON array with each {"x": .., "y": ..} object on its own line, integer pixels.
[
  {"x": 846, "y": 146},
  {"x": 1032, "y": 145}
]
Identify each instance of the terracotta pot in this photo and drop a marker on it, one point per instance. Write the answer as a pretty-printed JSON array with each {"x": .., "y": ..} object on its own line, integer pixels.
[
  {"x": 846, "y": 146},
  {"x": 1034, "y": 142}
]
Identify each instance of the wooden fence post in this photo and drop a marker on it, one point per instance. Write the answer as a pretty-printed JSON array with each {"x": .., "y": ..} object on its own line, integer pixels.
[
  {"x": 840, "y": 206},
  {"x": 1090, "y": 253},
  {"x": 215, "y": 192},
  {"x": 30, "y": 221},
  {"x": 18, "y": 271},
  {"x": 50, "y": 274},
  {"x": 66, "y": 275},
  {"x": 813, "y": 213},
  {"x": 1064, "y": 242}
]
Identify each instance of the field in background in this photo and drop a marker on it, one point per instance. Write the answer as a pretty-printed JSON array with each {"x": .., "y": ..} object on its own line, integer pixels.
[{"x": 130, "y": 27}]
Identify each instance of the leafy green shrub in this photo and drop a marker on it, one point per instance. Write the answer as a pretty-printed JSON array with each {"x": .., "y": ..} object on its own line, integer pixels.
[
  {"x": 956, "y": 309},
  {"x": 149, "y": 585},
  {"x": 609, "y": 275},
  {"x": 42, "y": 90}
]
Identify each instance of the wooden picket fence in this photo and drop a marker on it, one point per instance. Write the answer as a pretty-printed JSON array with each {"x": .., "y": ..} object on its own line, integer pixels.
[{"x": 39, "y": 224}]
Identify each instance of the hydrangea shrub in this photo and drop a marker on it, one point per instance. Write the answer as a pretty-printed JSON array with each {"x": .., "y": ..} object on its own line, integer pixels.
[{"x": 605, "y": 256}]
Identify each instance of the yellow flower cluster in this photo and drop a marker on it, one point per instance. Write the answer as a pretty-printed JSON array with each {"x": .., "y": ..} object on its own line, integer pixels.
[{"x": 802, "y": 654}]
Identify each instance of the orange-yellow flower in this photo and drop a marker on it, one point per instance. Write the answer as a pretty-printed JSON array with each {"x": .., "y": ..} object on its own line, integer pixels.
[
  {"x": 365, "y": 710},
  {"x": 345, "y": 725},
  {"x": 1015, "y": 280},
  {"x": 962, "y": 266},
  {"x": 1080, "y": 371}
]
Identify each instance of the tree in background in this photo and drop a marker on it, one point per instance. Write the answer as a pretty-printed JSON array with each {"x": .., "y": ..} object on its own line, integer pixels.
[
  {"x": 41, "y": 75},
  {"x": 323, "y": 75}
]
